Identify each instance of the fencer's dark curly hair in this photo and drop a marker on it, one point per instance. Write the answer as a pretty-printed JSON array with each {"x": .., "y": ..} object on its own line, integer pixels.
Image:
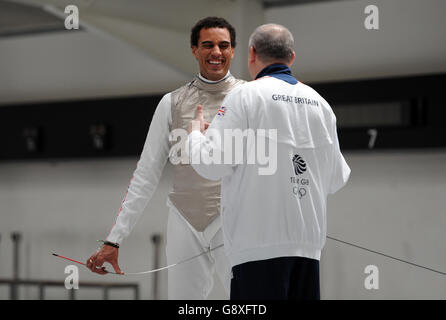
[{"x": 211, "y": 22}]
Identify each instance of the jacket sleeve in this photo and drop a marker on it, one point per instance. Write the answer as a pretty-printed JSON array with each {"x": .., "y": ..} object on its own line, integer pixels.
[
  {"x": 230, "y": 118},
  {"x": 147, "y": 173},
  {"x": 199, "y": 146},
  {"x": 340, "y": 170}
]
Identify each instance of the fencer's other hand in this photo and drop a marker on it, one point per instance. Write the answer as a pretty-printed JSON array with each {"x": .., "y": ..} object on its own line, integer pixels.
[
  {"x": 204, "y": 125},
  {"x": 198, "y": 123},
  {"x": 105, "y": 254}
]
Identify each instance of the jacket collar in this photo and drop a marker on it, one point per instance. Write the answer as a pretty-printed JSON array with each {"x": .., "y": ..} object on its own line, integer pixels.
[{"x": 279, "y": 71}]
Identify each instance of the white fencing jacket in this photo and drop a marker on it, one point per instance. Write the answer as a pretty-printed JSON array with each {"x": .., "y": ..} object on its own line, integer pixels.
[
  {"x": 150, "y": 167},
  {"x": 147, "y": 173},
  {"x": 284, "y": 213}
]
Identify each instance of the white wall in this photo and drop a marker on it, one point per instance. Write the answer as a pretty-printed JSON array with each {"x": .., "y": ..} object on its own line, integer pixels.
[
  {"x": 73, "y": 65},
  {"x": 331, "y": 42},
  {"x": 394, "y": 204}
]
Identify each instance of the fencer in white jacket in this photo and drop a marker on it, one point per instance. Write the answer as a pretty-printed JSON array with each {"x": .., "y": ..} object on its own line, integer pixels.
[{"x": 194, "y": 202}]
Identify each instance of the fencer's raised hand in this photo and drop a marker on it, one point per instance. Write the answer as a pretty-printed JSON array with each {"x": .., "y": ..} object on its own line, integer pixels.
[
  {"x": 105, "y": 254},
  {"x": 198, "y": 123}
]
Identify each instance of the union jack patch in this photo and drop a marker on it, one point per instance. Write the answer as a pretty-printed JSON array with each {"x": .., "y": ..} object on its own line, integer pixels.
[{"x": 221, "y": 111}]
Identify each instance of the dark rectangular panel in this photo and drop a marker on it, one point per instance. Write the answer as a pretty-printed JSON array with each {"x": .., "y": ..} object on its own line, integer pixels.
[
  {"x": 373, "y": 114},
  {"x": 391, "y": 113}
]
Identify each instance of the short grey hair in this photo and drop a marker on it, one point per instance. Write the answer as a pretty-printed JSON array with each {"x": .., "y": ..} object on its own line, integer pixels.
[{"x": 272, "y": 42}]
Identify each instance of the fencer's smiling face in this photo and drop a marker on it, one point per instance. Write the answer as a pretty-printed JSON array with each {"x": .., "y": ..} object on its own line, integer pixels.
[{"x": 214, "y": 53}]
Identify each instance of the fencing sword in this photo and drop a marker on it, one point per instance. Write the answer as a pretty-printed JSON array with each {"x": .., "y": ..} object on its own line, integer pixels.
[
  {"x": 221, "y": 245},
  {"x": 148, "y": 271},
  {"x": 386, "y": 255}
]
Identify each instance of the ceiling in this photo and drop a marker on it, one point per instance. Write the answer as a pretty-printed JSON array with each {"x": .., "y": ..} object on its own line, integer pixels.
[
  {"x": 34, "y": 16},
  {"x": 281, "y": 3},
  {"x": 18, "y": 19}
]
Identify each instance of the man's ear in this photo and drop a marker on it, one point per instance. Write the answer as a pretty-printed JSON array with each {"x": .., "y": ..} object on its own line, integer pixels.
[
  {"x": 252, "y": 55},
  {"x": 292, "y": 59},
  {"x": 194, "y": 51}
]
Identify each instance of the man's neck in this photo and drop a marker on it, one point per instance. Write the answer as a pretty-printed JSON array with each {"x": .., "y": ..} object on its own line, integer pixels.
[
  {"x": 211, "y": 81},
  {"x": 278, "y": 70}
]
